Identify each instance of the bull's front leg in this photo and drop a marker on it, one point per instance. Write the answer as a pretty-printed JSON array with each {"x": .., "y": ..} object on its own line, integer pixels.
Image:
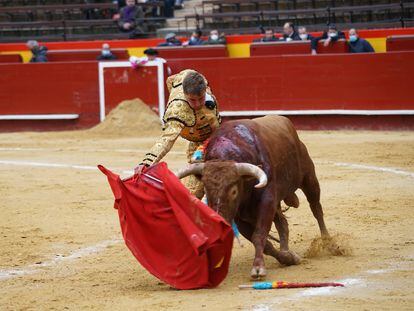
[{"x": 266, "y": 212}]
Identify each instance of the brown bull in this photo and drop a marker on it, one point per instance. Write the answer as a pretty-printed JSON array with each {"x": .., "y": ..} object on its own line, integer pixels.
[{"x": 267, "y": 149}]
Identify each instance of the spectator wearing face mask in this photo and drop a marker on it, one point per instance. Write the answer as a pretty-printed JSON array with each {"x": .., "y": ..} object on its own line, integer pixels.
[
  {"x": 195, "y": 38},
  {"x": 357, "y": 44},
  {"x": 106, "y": 53},
  {"x": 39, "y": 53},
  {"x": 303, "y": 34},
  {"x": 268, "y": 36},
  {"x": 170, "y": 40},
  {"x": 331, "y": 35},
  {"x": 214, "y": 38},
  {"x": 289, "y": 33}
]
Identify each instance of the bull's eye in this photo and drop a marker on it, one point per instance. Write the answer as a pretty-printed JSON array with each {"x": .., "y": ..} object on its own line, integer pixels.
[{"x": 233, "y": 192}]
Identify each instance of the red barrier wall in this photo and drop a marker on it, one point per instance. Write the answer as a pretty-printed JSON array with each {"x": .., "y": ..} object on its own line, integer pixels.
[
  {"x": 338, "y": 81},
  {"x": 193, "y": 51},
  {"x": 82, "y": 55},
  {"x": 128, "y": 83},
  {"x": 400, "y": 43},
  {"x": 298, "y": 82},
  {"x": 11, "y": 58},
  {"x": 49, "y": 88}
]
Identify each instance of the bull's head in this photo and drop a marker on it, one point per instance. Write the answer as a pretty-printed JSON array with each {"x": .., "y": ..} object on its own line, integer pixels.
[{"x": 224, "y": 183}]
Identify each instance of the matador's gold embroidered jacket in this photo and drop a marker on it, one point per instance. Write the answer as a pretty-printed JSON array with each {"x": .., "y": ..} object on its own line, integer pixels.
[{"x": 182, "y": 120}]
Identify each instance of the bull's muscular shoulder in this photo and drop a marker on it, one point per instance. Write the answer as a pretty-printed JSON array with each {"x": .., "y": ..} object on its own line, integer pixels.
[{"x": 179, "y": 110}]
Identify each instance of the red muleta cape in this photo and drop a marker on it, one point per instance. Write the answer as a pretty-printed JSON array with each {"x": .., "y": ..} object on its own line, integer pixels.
[{"x": 175, "y": 236}]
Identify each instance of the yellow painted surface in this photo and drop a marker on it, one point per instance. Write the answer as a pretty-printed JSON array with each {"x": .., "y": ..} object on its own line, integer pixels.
[
  {"x": 138, "y": 52},
  {"x": 26, "y": 55},
  {"x": 379, "y": 44},
  {"x": 239, "y": 49}
]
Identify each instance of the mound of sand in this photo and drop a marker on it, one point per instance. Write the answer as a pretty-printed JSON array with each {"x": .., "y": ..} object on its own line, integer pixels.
[{"x": 129, "y": 118}]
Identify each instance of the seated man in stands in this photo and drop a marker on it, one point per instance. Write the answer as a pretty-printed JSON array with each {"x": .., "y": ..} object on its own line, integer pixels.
[
  {"x": 303, "y": 34},
  {"x": 215, "y": 38},
  {"x": 106, "y": 53},
  {"x": 39, "y": 53},
  {"x": 195, "y": 38},
  {"x": 289, "y": 33},
  {"x": 331, "y": 35},
  {"x": 127, "y": 17},
  {"x": 170, "y": 40},
  {"x": 357, "y": 44},
  {"x": 268, "y": 36}
]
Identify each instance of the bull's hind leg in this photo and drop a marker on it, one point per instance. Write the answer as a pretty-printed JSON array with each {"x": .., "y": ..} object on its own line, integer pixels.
[
  {"x": 311, "y": 189},
  {"x": 284, "y": 256}
]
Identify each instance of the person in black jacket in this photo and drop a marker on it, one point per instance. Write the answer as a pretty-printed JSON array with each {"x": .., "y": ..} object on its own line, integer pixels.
[
  {"x": 39, "y": 53},
  {"x": 357, "y": 44},
  {"x": 268, "y": 36},
  {"x": 170, "y": 40},
  {"x": 106, "y": 53},
  {"x": 331, "y": 35},
  {"x": 289, "y": 33}
]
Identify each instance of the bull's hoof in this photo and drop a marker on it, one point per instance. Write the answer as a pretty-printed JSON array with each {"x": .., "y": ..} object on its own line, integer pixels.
[
  {"x": 288, "y": 258},
  {"x": 258, "y": 273}
]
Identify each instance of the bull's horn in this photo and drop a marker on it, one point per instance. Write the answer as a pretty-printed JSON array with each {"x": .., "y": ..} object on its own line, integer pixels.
[
  {"x": 192, "y": 169},
  {"x": 254, "y": 171}
]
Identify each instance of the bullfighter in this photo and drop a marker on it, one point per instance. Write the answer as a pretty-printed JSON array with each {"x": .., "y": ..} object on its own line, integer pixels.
[{"x": 192, "y": 113}]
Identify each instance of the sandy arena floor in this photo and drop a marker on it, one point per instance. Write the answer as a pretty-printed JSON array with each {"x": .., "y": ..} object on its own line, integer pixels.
[{"x": 60, "y": 238}]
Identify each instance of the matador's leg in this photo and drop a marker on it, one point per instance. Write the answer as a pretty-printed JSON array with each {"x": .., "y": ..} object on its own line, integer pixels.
[{"x": 194, "y": 184}]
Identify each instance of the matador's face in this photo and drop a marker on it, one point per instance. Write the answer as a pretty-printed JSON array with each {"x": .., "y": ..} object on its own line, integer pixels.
[{"x": 196, "y": 101}]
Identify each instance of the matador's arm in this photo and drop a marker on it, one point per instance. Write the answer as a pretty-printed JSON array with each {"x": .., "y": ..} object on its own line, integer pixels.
[{"x": 172, "y": 130}]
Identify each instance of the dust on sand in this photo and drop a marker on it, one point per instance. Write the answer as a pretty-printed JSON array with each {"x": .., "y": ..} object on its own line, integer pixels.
[
  {"x": 337, "y": 245},
  {"x": 49, "y": 213}
]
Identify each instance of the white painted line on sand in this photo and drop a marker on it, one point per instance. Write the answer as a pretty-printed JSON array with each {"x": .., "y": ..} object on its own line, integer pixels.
[
  {"x": 83, "y": 150},
  {"x": 42, "y": 164},
  {"x": 371, "y": 168},
  {"x": 6, "y": 274}
]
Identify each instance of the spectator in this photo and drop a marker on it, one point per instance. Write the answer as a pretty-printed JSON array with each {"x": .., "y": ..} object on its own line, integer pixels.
[
  {"x": 303, "y": 34},
  {"x": 106, "y": 53},
  {"x": 39, "y": 53},
  {"x": 170, "y": 40},
  {"x": 195, "y": 38},
  {"x": 127, "y": 17},
  {"x": 331, "y": 35},
  {"x": 289, "y": 33},
  {"x": 357, "y": 44},
  {"x": 150, "y": 55},
  {"x": 169, "y": 8},
  {"x": 179, "y": 4},
  {"x": 214, "y": 38},
  {"x": 268, "y": 36}
]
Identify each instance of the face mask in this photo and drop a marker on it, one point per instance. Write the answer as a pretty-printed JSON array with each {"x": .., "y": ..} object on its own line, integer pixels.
[
  {"x": 303, "y": 36},
  {"x": 332, "y": 34},
  {"x": 106, "y": 52},
  {"x": 353, "y": 38},
  {"x": 214, "y": 37},
  {"x": 193, "y": 39}
]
